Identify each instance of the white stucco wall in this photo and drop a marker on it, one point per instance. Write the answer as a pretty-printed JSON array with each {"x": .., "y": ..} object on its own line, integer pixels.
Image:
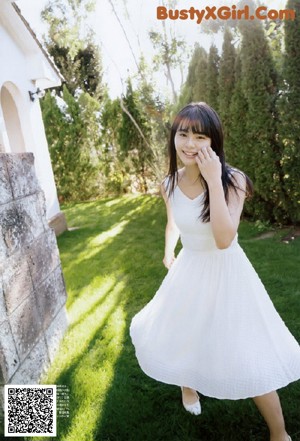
[{"x": 24, "y": 67}]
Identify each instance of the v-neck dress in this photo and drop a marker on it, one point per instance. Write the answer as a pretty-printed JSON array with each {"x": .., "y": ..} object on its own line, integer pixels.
[{"x": 211, "y": 325}]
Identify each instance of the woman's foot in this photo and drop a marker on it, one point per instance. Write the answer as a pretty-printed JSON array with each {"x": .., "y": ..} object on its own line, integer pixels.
[{"x": 190, "y": 401}]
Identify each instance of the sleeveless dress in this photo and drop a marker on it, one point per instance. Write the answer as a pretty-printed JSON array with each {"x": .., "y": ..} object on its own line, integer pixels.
[{"x": 211, "y": 325}]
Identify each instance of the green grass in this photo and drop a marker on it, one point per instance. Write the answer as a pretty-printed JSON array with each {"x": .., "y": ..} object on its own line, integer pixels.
[{"x": 113, "y": 266}]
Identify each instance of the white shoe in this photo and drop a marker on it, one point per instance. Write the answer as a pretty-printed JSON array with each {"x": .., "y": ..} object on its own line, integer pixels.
[{"x": 194, "y": 409}]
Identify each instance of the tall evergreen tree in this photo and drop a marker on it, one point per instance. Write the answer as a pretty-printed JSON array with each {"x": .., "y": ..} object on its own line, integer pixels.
[
  {"x": 226, "y": 80},
  {"x": 212, "y": 77},
  {"x": 132, "y": 139},
  {"x": 116, "y": 180},
  {"x": 289, "y": 105},
  {"x": 199, "y": 89},
  {"x": 74, "y": 139},
  {"x": 259, "y": 84},
  {"x": 195, "y": 87},
  {"x": 71, "y": 139},
  {"x": 158, "y": 118},
  {"x": 236, "y": 139}
]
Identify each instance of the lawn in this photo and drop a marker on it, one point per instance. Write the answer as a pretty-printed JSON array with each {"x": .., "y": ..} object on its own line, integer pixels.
[{"x": 112, "y": 262}]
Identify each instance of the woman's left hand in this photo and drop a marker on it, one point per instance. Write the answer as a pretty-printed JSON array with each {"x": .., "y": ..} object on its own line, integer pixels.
[{"x": 209, "y": 165}]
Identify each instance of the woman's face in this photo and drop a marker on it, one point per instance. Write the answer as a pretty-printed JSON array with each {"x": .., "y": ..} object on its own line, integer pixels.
[{"x": 188, "y": 144}]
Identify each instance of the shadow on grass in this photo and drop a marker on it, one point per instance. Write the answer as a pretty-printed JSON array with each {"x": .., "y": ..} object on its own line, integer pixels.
[
  {"x": 93, "y": 220},
  {"x": 137, "y": 408},
  {"x": 116, "y": 256}
]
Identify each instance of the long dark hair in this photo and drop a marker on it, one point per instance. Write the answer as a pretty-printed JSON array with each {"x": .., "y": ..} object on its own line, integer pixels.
[{"x": 200, "y": 117}]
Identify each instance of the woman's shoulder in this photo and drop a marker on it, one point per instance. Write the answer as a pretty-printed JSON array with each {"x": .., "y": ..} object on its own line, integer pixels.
[
  {"x": 234, "y": 170},
  {"x": 167, "y": 180},
  {"x": 236, "y": 174},
  {"x": 169, "y": 183},
  {"x": 164, "y": 186},
  {"x": 240, "y": 180}
]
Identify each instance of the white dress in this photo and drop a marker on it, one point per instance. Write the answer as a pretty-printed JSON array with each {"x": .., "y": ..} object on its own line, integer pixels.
[{"x": 211, "y": 325}]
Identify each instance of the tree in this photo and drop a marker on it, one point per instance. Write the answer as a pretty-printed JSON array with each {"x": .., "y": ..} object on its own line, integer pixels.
[
  {"x": 71, "y": 112},
  {"x": 274, "y": 30},
  {"x": 289, "y": 107},
  {"x": 212, "y": 77},
  {"x": 171, "y": 53},
  {"x": 195, "y": 86},
  {"x": 133, "y": 135},
  {"x": 236, "y": 137},
  {"x": 117, "y": 179},
  {"x": 75, "y": 53},
  {"x": 158, "y": 115},
  {"x": 65, "y": 19},
  {"x": 72, "y": 133},
  {"x": 83, "y": 72},
  {"x": 226, "y": 80},
  {"x": 262, "y": 151}
]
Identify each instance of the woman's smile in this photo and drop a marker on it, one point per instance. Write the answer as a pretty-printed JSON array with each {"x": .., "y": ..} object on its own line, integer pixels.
[
  {"x": 189, "y": 143},
  {"x": 190, "y": 154}
]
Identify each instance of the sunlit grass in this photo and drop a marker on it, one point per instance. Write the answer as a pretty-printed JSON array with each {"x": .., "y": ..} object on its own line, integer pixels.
[{"x": 112, "y": 262}]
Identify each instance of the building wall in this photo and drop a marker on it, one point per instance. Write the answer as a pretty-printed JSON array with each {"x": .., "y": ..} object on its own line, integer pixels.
[
  {"x": 24, "y": 67},
  {"x": 32, "y": 290}
]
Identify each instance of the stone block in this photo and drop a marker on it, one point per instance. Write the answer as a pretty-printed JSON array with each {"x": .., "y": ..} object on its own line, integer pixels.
[
  {"x": 30, "y": 206},
  {"x": 16, "y": 279},
  {"x": 26, "y": 326},
  {"x": 20, "y": 223},
  {"x": 55, "y": 332},
  {"x": 16, "y": 228},
  {"x": 3, "y": 247},
  {"x": 22, "y": 175},
  {"x": 48, "y": 300},
  {"x": 32, "y": 289},
  {"x": 3, "y": 312},
  {"x": 5, "y": 188},
  {"x": 42, "y": 208},
  {"x": 60, "y": 285},
  {"x": 33, "y": 366},
  {"x": 11, "y": 229},
  {"x": 43, "y": 257},
  {"x": 9, "y": 360}
]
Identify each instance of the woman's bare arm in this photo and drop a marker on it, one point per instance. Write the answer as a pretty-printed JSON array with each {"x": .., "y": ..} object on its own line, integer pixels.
[
  {"x": 224, "y": 217},
  {"x": 171, "y": 233}
]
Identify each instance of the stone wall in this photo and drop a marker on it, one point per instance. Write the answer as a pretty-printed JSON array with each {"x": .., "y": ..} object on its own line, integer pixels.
[{"x": 32, "y": 290}]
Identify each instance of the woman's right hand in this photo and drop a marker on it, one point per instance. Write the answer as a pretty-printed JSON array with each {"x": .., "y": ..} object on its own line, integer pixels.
[{"x": 169, "y": 260}]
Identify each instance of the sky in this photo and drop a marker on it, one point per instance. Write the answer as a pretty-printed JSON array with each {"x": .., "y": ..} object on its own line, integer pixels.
[{"x": 117, "y": 58}]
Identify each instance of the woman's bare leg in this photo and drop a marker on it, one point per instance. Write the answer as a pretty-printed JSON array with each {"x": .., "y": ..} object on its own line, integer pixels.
[{"x": 270, "y": 408}]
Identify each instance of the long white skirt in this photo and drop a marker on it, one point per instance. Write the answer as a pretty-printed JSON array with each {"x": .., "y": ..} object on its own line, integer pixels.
[{"x": 211, "y": 326}]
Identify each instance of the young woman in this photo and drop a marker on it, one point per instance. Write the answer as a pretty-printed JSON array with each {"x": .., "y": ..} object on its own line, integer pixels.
[{"x": 211, "y": 327}]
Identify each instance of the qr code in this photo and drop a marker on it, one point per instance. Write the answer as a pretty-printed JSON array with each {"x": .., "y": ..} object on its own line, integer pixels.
[{"x": 30, "y": 410}]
